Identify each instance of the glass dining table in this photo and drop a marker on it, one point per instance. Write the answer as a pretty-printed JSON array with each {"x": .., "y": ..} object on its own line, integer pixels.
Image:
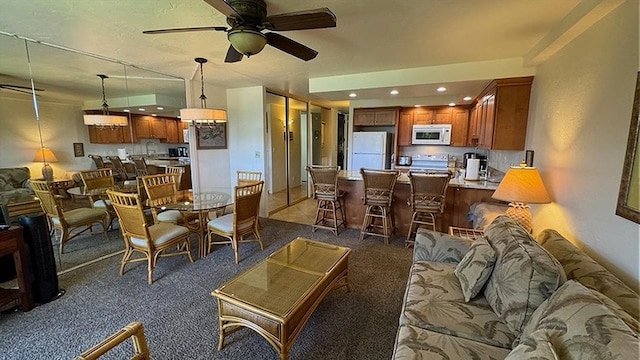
[{"x": 196, "y": 207}]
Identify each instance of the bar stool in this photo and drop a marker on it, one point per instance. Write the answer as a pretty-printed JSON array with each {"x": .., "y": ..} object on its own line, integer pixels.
[
  {"x": 329, "y": 198},
  {"x": 427, "y": 200},
  {"x": 378, "y": 195}
]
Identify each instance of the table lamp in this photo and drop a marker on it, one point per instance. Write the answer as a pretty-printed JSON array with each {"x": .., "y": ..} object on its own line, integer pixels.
[
  {"x": 46, "y": 156},
  {"x": 520, "y": 186}
]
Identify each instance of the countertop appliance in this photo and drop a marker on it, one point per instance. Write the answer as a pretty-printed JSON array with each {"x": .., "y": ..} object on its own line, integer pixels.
[
  {"x": 433, "y": 134},
  {"x": 370, "y": 149},
  {"x": 173, "y": 152},
  {"x": 182, "y": 151},
  {"x": 404, "y": 160},
  {"x": 471, "y": 155}
]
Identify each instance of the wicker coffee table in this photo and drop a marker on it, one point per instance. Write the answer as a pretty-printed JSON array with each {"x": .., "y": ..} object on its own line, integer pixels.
[{"x": 276, "y": 296}]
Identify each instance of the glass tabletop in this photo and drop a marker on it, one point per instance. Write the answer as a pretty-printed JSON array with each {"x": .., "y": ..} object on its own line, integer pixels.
[
  {"x": 189, "y": 200},
  {"x": 283, "y": 279},
  {"x": 81, "y": 191}
]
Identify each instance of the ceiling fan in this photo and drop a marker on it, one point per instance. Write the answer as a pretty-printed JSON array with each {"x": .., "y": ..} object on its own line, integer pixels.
[{"x": 248, "y": 18}]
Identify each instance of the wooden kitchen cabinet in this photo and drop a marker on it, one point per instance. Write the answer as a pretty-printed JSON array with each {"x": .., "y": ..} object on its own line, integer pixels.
[
  {"x": 423, "y": 116},
  {"x": 174, "y": 131},
  {"x": 459, "y": 126},
  {"x": 375, "y": 117},
  {"x": 458, "y": 200},
  {"x": 405, "y": 127},
  {"x": 499, "y": 119},
  {"x": 149, "y": 127},
  {"x": 443, "y": 115}
]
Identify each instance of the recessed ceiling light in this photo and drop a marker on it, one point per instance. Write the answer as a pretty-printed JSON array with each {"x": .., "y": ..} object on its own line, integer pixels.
[
  {"x": 141, "y": 109},
  {"x": 467, "y": 98},
  {"x": 127, "y": 110},
  {"x": 154, "y": 114},
  {"x": 417, "y": 105},
  {"x": 352, "y": 95},
  {"x": 160, "y": 108},
  {"x": 452, "y": 104},
  {"x": 441, "y": 89},
  {"x": 394, "y": 92}
]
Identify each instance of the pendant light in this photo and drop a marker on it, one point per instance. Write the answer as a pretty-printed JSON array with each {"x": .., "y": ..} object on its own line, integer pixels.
[
  {"x": 203, "y": 116},
  {"x": 105, "y": 120}
]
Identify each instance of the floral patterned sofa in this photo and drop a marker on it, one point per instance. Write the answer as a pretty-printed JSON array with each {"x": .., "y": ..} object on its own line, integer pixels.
[{"x": 509, "y": 296}]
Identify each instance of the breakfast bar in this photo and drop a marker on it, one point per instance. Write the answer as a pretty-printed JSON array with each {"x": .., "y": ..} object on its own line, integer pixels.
[{"x": 459, "y": 197}]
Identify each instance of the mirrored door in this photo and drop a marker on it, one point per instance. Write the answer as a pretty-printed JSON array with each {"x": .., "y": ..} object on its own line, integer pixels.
[{"x": 288, "y": 150}]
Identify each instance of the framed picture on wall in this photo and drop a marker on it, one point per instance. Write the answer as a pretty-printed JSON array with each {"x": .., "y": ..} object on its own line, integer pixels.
[
  {"x": 78, "y": 149},
  {"x": 212, "y": 136},
  {"x": 628, "y": 205}
]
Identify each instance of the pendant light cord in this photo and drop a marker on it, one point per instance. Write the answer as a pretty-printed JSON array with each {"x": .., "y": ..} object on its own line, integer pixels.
[{"x": 203, "y": 98}]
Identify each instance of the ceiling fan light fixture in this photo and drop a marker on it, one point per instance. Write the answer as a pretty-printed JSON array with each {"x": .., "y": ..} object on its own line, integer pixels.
[{"x": 247, "y": 41}]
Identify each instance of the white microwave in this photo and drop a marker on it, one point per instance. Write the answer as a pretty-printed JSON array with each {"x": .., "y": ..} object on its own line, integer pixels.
[{"x": 434, "y": 134}]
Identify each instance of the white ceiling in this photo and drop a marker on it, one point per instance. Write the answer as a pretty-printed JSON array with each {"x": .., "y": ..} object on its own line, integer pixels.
[{"x": 372, "y": 36}]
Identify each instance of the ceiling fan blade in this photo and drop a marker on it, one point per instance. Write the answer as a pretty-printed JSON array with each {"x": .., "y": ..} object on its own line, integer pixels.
[
  {"x": 223, "y": 7},
  {"x": 13, "y": 87},
  {"x": 290, "y": 46},
  {"x": 233, "y": 55},
  {"x": 301, "y": 20},
  {"x": 179, "y": 30}
]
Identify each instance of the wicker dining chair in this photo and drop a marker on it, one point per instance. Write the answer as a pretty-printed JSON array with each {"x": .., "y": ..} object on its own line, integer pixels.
[
  {"x": 244, "y": 177},
  {"x": 150, "y": 240},
  {"x": 162, "y": 189},
  {"x": 133, "y": 331},
  {"x": 427, "y": 200},
  {"x": 243, "y": 221},
  {"x": 67, "y": 221},
  {"x": 179, "y": 170},
  {"x": 378, "y": 196},
  {"x": 330, "y": 199},
  {"x": 100, "y": 179}
]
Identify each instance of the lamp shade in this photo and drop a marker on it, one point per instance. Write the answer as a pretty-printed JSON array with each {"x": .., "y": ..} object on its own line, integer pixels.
[
  {"x": 247, "y": 41},
  {"x": 106, "y": 120},
  {"x": 522, "y": 184},
  {"x": 45, "y": 155},
  {"x": 197, "y": 114}
]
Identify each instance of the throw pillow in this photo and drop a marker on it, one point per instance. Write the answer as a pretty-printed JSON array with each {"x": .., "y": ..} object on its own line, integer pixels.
[
  {"x": 536, "y": 347},
  {"x": 581, "y": 326},
  {"x": 524, "y": 274},
  {"x": 474, "y": 269}
]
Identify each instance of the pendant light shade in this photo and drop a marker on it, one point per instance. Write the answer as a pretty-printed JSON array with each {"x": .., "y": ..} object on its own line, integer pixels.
[
  {"x": 104, "y": 119},
  {"x": 203, "y": 116}
]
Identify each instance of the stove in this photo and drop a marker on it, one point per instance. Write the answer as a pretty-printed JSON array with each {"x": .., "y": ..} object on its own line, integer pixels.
[{"x": 431, "y": 162}]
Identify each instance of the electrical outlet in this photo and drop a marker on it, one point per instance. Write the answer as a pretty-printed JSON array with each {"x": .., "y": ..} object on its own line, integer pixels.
[{"x": 257, "y": 155}]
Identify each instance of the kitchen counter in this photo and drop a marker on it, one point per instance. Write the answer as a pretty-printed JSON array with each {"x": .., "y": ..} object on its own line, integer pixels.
[{"x": 403, "y": 178}]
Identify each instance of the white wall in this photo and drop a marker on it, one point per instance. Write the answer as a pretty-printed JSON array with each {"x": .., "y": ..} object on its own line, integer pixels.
[{"x": 579, "y": 122}]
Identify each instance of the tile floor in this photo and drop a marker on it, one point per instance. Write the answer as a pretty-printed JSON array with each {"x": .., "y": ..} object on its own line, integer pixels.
[{"x": 303, "y": 212}]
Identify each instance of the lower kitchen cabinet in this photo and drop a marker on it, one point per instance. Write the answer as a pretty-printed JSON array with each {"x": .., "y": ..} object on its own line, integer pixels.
[{"x": 458, "y": 201}]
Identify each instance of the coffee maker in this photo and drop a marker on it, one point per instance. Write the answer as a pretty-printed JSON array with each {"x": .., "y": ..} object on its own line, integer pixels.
[
  {"x": 182, "y": 151},
  {"x": 470, "y": 155},
  {"x": 173, "y": 152}
]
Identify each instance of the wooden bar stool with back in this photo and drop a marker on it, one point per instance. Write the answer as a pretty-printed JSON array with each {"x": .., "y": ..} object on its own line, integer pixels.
[
  {"x": 378, "y": 195},
  {"x": 330, "y": 199},
  {"x": 427, "y": 200}
]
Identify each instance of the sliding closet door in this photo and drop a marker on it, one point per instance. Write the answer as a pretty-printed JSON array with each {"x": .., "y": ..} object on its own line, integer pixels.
[{"x": 297, "y": 150}]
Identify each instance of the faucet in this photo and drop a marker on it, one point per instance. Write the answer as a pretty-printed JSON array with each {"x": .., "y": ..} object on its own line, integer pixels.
[{"x": 147, "y": 146}]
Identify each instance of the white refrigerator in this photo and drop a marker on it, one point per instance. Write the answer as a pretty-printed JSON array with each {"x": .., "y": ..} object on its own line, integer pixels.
[{"x": 370, "y": 150}]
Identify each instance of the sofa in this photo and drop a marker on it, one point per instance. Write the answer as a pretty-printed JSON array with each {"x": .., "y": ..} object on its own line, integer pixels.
[
  {"x": 15, "y": 192},
  {"x": 507, "y": 295}
]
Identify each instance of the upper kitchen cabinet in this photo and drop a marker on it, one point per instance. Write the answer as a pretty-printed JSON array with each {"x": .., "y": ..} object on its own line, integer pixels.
[
  {"x": 375, "y": 117},
  {"x": 499, "y": 118},
  {"x": 149, "y": 127},
  {"x": 174, "y": 131},
  {"x": 459, "y": 126}
]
